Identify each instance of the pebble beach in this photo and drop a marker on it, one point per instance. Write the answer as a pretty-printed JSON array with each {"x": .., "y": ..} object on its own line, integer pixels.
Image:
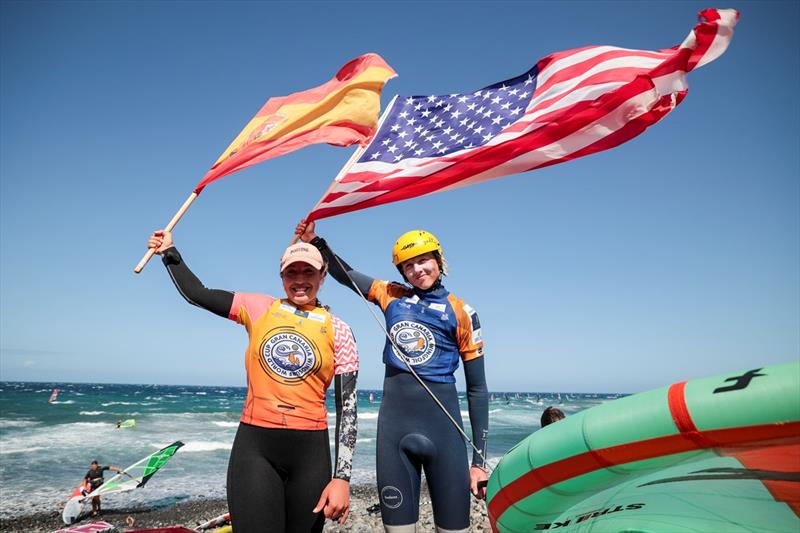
[{"x": 193, "y": 512}]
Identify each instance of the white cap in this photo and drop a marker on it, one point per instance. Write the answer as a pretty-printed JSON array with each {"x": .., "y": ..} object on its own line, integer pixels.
[{"x": 304, "y": 252}]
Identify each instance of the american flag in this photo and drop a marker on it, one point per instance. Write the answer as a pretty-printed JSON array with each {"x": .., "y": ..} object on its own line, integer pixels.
[{"x": 570, "y": 104}]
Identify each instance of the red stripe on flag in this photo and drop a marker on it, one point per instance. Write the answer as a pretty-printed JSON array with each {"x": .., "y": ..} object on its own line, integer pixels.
[
  {"x": 351, "y": 69},
  {"x": 622, "y": 135},
  {"x": 580, "y": 68},
  {"x": 608, "y": 76},
  {"x": 342, "y": 133},
  {"x": 705, "y": 32}
]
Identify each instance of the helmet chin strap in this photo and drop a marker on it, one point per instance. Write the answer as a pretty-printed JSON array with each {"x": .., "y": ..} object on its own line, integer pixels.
[{"x": 404, "y": 358}]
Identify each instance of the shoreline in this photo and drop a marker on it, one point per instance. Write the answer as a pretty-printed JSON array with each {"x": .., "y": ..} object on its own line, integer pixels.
[{"x": 192, "y": 512}]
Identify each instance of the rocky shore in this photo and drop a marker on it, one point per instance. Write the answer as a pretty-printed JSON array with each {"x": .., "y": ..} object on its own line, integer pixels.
[{"x": 364, "y": 515}]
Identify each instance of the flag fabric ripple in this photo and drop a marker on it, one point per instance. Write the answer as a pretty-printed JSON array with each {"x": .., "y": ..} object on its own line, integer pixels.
[
  {"x": 341, "y": 112},
  {"x": 570, "y": 104}
]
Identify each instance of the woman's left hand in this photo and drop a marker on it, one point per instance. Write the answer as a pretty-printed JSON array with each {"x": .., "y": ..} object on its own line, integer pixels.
[
  {"x": 305, "y": 231},
  {"x": 335, "y": 500},
  {"x": 477, "y": 474}
]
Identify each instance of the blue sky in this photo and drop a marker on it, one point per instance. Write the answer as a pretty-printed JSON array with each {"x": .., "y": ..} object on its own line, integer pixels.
[{"x": 676, "y": 255}]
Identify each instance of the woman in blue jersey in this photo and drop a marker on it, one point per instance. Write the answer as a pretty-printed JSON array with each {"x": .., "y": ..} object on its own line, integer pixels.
[{"x": 435, "y": 330}]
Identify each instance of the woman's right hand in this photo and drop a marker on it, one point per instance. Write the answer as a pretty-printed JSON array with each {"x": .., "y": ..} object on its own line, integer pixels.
[
  {"x": 305, "y": 230},
  {"x": 160, "y": 240}
]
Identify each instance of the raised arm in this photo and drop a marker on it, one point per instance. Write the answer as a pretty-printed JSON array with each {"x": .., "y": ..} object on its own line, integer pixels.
[
  {"x": 189, "y": 286},
  {"x": 338, "y": 267}
]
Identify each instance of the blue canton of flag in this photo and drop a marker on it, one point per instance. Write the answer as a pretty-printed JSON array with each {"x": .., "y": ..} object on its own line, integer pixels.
[{"x": 434, "y": 126}]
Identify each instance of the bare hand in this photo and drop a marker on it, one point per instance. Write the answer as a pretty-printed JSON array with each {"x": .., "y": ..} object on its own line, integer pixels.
[
  {"x": 335, "y": 500},
  {"x": 161, "y": 240},
  {"x": 305, "y": 230},
  {"x": 477, "y": 474}
]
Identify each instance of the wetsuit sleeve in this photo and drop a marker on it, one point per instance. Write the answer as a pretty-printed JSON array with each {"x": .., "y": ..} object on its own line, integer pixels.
[
  {"x": 346, "y": 423},
  {"x": 192, "y": 289},
  {"x": 478, "y": 401},
  {"x": 340, "y": 270},
  {"x": 345, "y": 367}
]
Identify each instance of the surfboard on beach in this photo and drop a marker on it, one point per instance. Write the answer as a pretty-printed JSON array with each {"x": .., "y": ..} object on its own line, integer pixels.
[{"x": 713, "y": 454}]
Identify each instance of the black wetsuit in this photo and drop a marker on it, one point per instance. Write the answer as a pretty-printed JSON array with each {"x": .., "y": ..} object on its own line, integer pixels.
[
  {"x": 413, "y": 432},
  {"x": 276, "y": 475},
  {"x": 95, "y": 477}
]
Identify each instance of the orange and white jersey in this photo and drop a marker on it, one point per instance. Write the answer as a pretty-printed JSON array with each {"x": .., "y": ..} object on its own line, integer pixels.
[{"x": 291, "y": 359}]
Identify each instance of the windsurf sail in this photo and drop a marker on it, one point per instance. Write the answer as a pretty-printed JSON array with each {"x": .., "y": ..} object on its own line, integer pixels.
[
  {"x": 129, "y": 423},
  {"x": 53, "y": 396},
  {"x": 138, "y": 474},
  {"x": 133, "y": 477}
]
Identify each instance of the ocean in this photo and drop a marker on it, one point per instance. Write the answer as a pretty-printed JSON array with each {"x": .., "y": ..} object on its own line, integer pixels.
[{"x": 46, "y": 448}]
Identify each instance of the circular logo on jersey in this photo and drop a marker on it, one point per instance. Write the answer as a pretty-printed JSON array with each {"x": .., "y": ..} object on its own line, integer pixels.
[
  {"x": 416, "y": 341},
  {"x": 391, "y": 497},
  {"x": 288, "y": 357}
]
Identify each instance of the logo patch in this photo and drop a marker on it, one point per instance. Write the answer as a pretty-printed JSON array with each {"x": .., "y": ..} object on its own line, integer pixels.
[
  {"x": 416, "y": 341},
  {"x": 288, "y": 357},
  {"x": 391, "y": 497},
  {"x": 475, "y": 324}
]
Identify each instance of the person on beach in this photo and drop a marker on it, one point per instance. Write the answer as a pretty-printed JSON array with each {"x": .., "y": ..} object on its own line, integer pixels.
[
  {"x": 435, "y": 330},
  {"x": 551, "y": 414},
  {"x": 94, "y": 478},
  {"x": 279, "y": 472}
]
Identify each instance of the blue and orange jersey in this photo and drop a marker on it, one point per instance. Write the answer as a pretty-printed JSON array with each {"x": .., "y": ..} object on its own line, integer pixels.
[
  {"x": 291, "y": 359},
  {"x": 434, "y": 328}
]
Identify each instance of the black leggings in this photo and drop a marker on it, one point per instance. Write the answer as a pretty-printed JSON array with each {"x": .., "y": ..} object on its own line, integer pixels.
[
  {"x": 415, "y": 435},
  {"x": 275, "y": 478}
]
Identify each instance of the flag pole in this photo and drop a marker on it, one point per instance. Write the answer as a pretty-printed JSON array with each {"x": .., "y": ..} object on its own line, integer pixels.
[
  {"x": 138, "y": 268},
  {"x": 350, "y": 162}
]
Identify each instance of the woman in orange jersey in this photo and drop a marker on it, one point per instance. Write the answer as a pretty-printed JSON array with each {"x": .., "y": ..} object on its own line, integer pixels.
[{"x": 279, "y": 473}]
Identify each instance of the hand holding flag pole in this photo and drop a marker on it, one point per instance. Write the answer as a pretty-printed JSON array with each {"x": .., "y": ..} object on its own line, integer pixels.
[
  {"x": 340, "y": 112},
  {"x": 170, "y": 226}
]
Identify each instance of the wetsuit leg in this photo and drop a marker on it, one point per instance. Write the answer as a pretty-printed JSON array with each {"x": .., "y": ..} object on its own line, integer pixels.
[
  {"x": 398, "y": 473},
  {"x": 447, "y": 476},
  {"x": 275, "y": 478},
  {"x": 308, "y": 477},
  {"x": 255, "y": 489},
  {"x": 414, "y": 433}
]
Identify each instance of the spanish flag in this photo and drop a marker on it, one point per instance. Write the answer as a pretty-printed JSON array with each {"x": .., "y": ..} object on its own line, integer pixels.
[{"x": 341, "y": 112}]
